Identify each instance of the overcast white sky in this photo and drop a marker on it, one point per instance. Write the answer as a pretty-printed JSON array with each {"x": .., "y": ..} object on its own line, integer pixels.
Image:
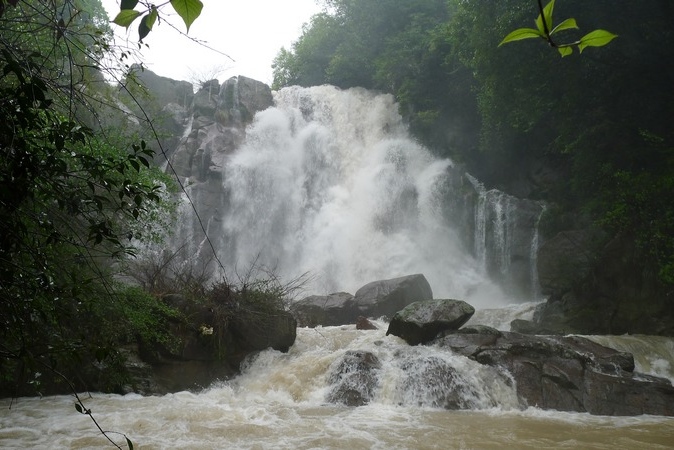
[{"x": 250, "y": 31}]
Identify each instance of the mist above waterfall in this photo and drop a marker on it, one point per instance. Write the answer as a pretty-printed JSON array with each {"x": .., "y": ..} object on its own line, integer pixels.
[{"x": 329, "y": 182}]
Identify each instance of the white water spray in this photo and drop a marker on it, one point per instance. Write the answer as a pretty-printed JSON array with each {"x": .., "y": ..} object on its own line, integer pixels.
[{"x": 329, "y": 182}]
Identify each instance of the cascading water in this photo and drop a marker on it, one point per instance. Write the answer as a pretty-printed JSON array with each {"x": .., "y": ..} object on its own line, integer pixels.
[
  {"x": 506, "y": 239},
  {"x": 533, "y": 257},
  {"x": 329, "y": 182}
]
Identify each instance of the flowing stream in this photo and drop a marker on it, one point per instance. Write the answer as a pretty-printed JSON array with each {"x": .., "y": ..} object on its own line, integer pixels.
[
  {"x": 279, "y": 402},
  {"x": 329, "y": 182}
]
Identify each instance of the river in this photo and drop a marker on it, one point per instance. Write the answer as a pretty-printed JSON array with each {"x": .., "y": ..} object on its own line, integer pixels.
[{"x": 279, "y": 402}]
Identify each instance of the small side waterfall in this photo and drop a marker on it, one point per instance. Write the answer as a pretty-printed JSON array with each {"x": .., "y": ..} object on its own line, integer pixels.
[
  {"x": 506, "y": 239},
  {"x": 533, "y": 257},
  {"x": 653, "y": 355}
]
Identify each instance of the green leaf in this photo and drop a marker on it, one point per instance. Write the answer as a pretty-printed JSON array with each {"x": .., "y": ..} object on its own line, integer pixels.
[
  {"x": 522, "y": 33},
  {"x": 126, "y": 17},
  {"x": 596, "y": 38},
  {"x": 129, "y": 443},
  {"x": 146, "y": 23},
  {"x": 565, "y": 51},
  {"x": 565, "y": 25},
  {"x": 547, "y": 13},
  {"x": 79, "y": 408},
  {"x": 188, "y": 10},
  {"x": 128, "y": 4}
]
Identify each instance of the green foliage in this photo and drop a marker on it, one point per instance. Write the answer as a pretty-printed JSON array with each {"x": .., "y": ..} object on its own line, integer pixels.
[
  {"x": 73, "y": 202},
  {"x": 545, "y": 30},
  {"x": 187, "y": 10},
  {"x": 640, "y": 204},
  {"x": 138, "y": 315}
]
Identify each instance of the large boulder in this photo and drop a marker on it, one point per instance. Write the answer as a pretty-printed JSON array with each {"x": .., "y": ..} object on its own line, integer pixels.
[
  {"x": 381, "y": 298},
  {"x": 386, "y": 297},
  {"x": 567, "y": 373},
  {"x": 421, "y": 322},
  {"x": 326, "y": 310},
  {"x": 211, "y": 340},
  {"x": 255, "y": 332}
]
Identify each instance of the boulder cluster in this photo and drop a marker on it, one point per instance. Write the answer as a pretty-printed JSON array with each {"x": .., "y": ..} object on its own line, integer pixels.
[{"x": 565, "y": 373}]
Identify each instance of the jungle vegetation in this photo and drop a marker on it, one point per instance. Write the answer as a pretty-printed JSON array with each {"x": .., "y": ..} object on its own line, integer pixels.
[
  {"x": 77, "y": 196},
  {"x": 589, "y": 133}
]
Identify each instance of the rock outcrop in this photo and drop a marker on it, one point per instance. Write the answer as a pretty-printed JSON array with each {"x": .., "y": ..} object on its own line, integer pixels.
[
  {"x": 421, "y": 322},
  {"x": 165, "y": 101},
  {"x": 566, "y": 373},
  {"x": 219, "y": 115},
  {"x": 326, "y": 310},
  {"x": 381, "y": 298},
  {"x": 363, "y": 323},
  {"x": 600, "y": 291},
  {"x": 210, "y": 342},
  {"x": 386, "y": 297}
]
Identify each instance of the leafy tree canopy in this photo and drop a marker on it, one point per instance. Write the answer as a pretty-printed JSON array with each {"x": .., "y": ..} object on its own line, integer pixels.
[{"x": 587, "y": 133}]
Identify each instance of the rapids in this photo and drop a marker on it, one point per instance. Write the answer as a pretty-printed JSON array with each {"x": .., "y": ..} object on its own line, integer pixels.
[{"x": 279, "y": 402}]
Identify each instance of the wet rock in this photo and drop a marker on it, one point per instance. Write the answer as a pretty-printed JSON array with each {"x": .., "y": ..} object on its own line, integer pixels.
[
  {"x": 362, "y": 323},
  {"x": 564, "y": 259},
  {"x": 217, "y": 120},
  {"x": 354, "y": 378},
  {"x": 327, "y": 310},
  {"x": 420, "y": 322},
  {"x": 479, "y": 329},
  {"x": 384, "y": 298},
  {"x": 532, "y": 327},
  {"x": 620, "y": 292},
  {"x": 376, "y": 299},
  {"x": 568, "y": 373},
  {"x": 210, "y": 342},
  {"x": 433, "y": 382},
  {"x": 255, "y": 332}
]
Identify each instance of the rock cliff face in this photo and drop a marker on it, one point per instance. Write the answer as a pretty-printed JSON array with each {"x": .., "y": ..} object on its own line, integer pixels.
[
  {"x": 215, "y": 129},
  {"x": 165, "y": 101},
  {"x": 210, "y": 342},
  {"x": 566, "y": 373},
  {"x": 599, "y": 290}
]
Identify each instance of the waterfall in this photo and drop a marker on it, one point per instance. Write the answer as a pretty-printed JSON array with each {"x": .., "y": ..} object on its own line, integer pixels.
[
  {"x": 329, "y": 182},
  {"x": 494, "y": 229},
  {"x": 506, "y": 239},
  {"x": 535, "y": 245},
  {"x": 653, "y": 355}
]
